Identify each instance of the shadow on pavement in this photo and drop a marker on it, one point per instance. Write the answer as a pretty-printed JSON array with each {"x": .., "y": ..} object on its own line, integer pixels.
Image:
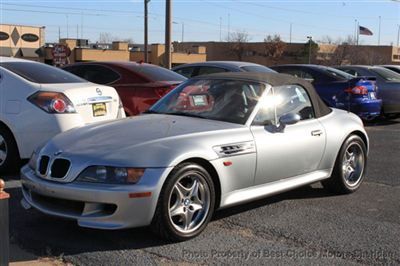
[
  {"x": 45, "y": 235},
  {"x": 381, "y": 122}
]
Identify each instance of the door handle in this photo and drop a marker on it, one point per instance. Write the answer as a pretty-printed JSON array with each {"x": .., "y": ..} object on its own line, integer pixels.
[{"x": 316, "y": 133}]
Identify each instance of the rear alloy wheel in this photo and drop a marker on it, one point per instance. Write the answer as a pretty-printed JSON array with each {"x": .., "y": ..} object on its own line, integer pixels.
[
  {"x": 9, "y": 157},
  {"x": 350, "y": 166},
  {"x": 186, "y": 203}
]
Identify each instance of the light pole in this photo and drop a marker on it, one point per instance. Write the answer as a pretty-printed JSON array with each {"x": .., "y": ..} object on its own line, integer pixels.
[
  {"x": 220, "y": 29},
  {"x": 379, "y": 32},
  {"x": 146, "y": 31},
  {"x": 67, "y": 26},
  {"x": 168, "y": 29},
  {"x": 229, "y": 27},
  {"x": 183, "y": 28},
  {"x": 309, "y": 48},
  {"x": 355, "y": 30},
  {"x": 398, "y": 35}
]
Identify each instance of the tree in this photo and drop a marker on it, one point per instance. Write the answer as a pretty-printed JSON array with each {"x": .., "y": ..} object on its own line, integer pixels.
[
  {"x": 237, "y": 44},
  {"x": 105, "y": 37},
  {"x": 348, "y": 52},
  {"x": 128, "y": 40},
  {"x": 274, "y": 47},
  {"x": 327, "y": 39}
]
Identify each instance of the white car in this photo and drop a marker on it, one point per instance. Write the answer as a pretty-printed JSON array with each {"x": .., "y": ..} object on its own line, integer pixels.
[{"x": 38, "y": 101}]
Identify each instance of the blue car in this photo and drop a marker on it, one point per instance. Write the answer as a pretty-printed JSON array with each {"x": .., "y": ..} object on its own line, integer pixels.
[
  {"x": 339, "y": 89},
  {"x": 388, "y": 83}
]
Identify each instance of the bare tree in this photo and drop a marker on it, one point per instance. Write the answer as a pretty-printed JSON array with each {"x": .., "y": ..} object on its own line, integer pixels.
[
  {"x": 327, "y": 39},
  {"x": 237, "y": 44},
  {"x": 105, "y": 37},
  {"x": 349, "y": 40},
  {"x": 346, "y": 52},
  {"x": 128, "y": 40},
  {"x": 274, "y": 47}
]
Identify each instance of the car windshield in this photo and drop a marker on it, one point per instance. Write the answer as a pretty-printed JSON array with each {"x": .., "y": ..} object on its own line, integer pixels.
[
  {"x": 339, "y": 73},
  {"x": 387, "y": 74},
  {"x": 258, "y": 69},
  {"x": 216, "y": 99},
  {"x": 41, "y": 73},
  {"x": 156, "y": 73}
]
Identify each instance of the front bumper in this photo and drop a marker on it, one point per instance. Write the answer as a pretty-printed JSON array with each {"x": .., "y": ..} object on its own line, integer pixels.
[{"x": 96, "y": 205}]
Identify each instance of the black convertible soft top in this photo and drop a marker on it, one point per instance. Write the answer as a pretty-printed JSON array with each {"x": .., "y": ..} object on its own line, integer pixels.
[{"x": 276, "y": 79}]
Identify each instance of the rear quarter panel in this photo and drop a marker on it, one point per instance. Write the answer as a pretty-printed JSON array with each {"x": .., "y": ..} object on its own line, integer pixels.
[
  {"x": 16, "y": 112},
  {"x": 136, "y": 92},
  {"x": 136, "y": 98},
  {"x": 338, "y": 126},
  {"x": 332, "y": 93}
]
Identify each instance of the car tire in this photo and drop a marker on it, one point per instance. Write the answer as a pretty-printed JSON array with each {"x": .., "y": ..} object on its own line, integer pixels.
[
  {"x": 350, "y": 167},
  {"x": 9, "y": 156},
  {"x": 186, "y": 203}
]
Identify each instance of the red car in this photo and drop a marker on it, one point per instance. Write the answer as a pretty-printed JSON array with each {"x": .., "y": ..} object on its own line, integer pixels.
[{"x": 139, "y": 85}]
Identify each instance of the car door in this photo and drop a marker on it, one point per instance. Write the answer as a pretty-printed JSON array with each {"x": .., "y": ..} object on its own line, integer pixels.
[{"x": 293, "y": 151}]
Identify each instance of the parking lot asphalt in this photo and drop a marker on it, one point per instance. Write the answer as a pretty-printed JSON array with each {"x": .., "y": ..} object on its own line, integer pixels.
[{"x": 304, "y": 226}]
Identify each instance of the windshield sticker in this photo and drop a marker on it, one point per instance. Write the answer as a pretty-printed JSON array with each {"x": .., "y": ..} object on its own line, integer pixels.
[{"x": 200, "y": 100}]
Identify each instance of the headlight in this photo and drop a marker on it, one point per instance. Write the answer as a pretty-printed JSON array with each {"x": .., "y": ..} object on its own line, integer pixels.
[
  {"x": 32, "y": 161},
  {"x": 111, "y": 175}
]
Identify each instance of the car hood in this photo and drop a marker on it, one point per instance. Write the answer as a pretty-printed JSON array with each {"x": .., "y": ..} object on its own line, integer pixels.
[{"x": 141, "y": 140}]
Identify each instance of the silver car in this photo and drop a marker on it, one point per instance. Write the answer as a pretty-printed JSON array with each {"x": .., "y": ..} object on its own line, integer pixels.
[{"x": 213, "y": 142}]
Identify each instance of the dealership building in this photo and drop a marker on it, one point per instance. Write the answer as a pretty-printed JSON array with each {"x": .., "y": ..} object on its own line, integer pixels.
[
  {"x": 28, "y": 42},
  {"x": 22, "y": 41}
]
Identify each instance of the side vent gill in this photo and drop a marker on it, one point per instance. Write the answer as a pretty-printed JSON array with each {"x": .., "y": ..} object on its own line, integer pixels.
[{"x": 235, "y": 149}]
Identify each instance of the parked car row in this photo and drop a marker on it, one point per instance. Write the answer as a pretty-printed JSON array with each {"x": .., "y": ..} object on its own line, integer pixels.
[
  {"x": 364, "y": 90},
  {"x": 339, "y": 89},
  {"x": 388, "y": 82}
]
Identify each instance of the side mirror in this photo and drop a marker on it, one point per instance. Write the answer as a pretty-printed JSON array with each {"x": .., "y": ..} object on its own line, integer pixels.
[{"x": 288, "y": 119}]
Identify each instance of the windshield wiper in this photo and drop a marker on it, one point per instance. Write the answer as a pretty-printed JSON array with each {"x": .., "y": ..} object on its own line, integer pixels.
[
  {"x": 151, "y": 112},
  {"x": 187, "y": 114}
]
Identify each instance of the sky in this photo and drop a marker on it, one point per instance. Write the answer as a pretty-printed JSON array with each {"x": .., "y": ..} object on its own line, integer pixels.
[{"x": 208, "y": 20}]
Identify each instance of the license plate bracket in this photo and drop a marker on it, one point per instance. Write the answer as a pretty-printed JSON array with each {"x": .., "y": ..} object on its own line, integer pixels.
[
  {"x": 99, "y": 109},
  {"x": 372, "y": 95}
]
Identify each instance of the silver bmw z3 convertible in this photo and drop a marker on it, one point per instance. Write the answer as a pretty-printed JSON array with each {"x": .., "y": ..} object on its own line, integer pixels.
[{"x": 212, "y": 142}]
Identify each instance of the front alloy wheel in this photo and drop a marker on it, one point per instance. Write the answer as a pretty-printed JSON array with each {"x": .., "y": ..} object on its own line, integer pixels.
[
  {"x": 186, "y": 203},
  {"x": 189, "y": 202}
]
